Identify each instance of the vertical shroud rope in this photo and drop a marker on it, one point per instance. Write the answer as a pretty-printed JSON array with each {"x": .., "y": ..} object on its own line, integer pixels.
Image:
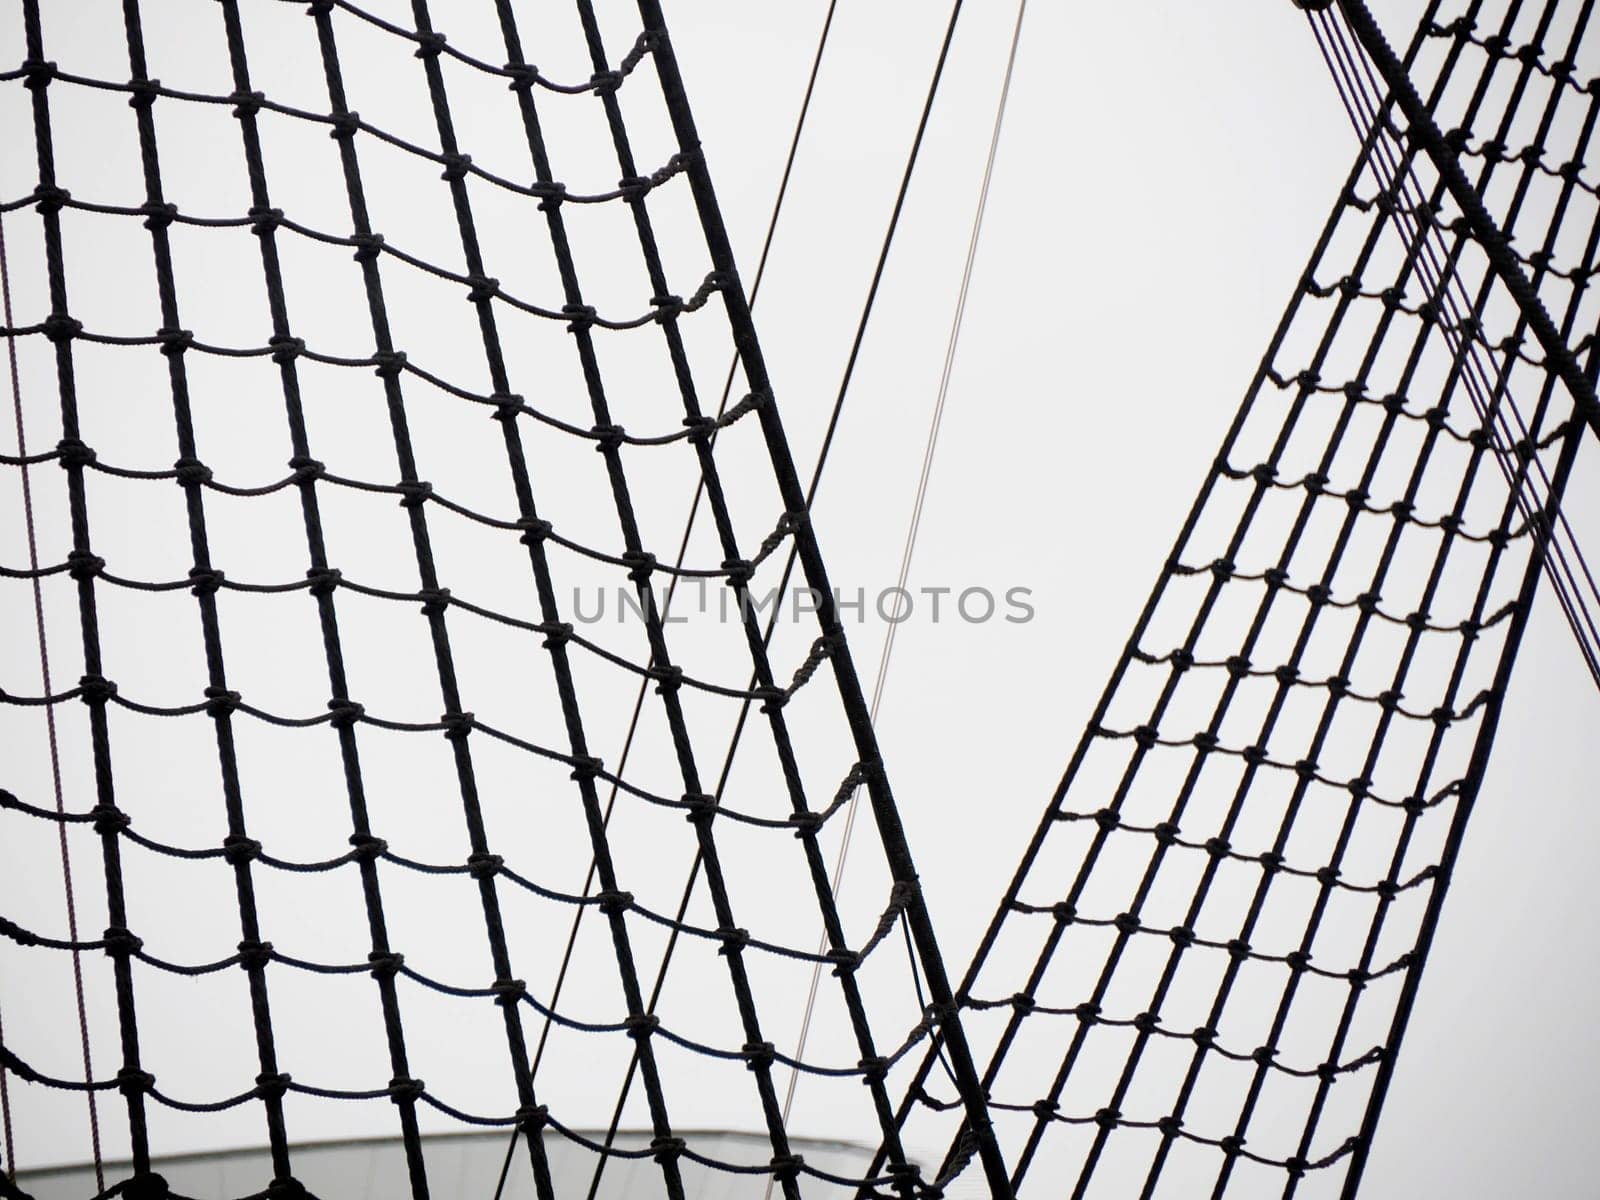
[{"x": 54, "y": 748}]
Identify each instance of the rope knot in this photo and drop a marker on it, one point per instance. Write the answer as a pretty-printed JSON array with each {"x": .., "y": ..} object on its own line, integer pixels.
[
  {"x": 345, "y": 125},
  {"x": 323, "y": 579},
  {"x": 60, "y": 328},
  {"x": 1182, "y": 936},
  {"x": 507, "y": 406},
  {"x": 640, "y": 564},
  {"x": 158, "y": 215},
  {"x": 579, "y": 317},
  {"x": 613, "y": 901},
  {"x": 122, "y": 943},
  {"x": 734, "y": 940},
  {"x": 109, "y": 819},
  {"x": 413, "y": 492},
  {"x": 702, "y": 808},
  {"x": 385, "y": 965},
  {"x": 368, "y": 246},
  {"x": 191, "y": 472},
  {"x": 71, "y": 452},
  {"x": 389, "y": 363},
  {"x": 346, "y": 712},
  {"x": 49, "y": 199},
  {"x": 1126, "y": 924},
  {"x": 82, "y": 565},
  {"x": 482, "y": 288},
  {"x": 254, "y": 954},
  {"x": 238, "y": 849},
  {"x": 667, "y": 1149},
  {"x": 523, "y": 76},
  {"x": 532, "y": 1117},
  {"x": 37, "y": 73},
  {"x": 430, "y": 44},
  {"x": 556, "y": 633},
  {"x": 402, "y": 1090},
  {"x": 550, "y": 194},
  {"x": 587, "y": 767},
  {"x": 786, "y": 1166},
  {"x": 482, "y": 865},
  {"x": 96, "y": 689},
  {"x": 133, "y": 1082},
  {"x": 534, "y": 530},
  {"x": 285, "y": 350},
  {"x": 205, "y": 581},
  {"x": 367, "y": 848},
  {"x": 758, "y": 1054},
  {"x": 641, "y": 1025},
  {"x": 434, "y": 600},
  {"x": 246, "y": 104},
  {"x": 220, "y": 702},
  {"x": 508, "y": 992}
]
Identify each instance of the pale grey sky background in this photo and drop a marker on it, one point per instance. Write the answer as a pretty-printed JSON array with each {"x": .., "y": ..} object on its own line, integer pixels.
[{"x": 1165, "y": 169}]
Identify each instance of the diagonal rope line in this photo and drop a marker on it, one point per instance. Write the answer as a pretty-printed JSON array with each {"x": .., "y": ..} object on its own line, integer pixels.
[
  {"x": 868, "y": 307},
  {"x": 810, "y": 496},
  {"x": 1360, "y": 105},
  {"x": 682, "y": 553},
  {"x": 699, "y": 494},
  {"x": 53, "y": 741},
  {"x": 1563, "y": 539},
  {"x": 915, "y": 524}
]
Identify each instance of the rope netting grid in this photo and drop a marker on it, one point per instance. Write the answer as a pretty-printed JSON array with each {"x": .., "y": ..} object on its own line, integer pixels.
[
  {"x": 310, "y": 481},
  {"x": 1196, "y": 814}
]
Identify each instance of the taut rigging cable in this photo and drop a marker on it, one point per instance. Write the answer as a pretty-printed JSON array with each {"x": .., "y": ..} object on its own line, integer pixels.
[{"x": 1342, "y": 60}]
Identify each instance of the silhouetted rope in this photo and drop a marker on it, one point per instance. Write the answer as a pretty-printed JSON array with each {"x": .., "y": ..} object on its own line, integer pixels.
[
  {"x": 1214, "y": 582},
  {"x": 288, "y": 356},
  {"x": 50, "y": 732}
]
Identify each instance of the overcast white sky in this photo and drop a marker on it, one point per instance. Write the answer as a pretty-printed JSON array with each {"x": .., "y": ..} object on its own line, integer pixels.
[{"x": 1165, "y": 168}]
